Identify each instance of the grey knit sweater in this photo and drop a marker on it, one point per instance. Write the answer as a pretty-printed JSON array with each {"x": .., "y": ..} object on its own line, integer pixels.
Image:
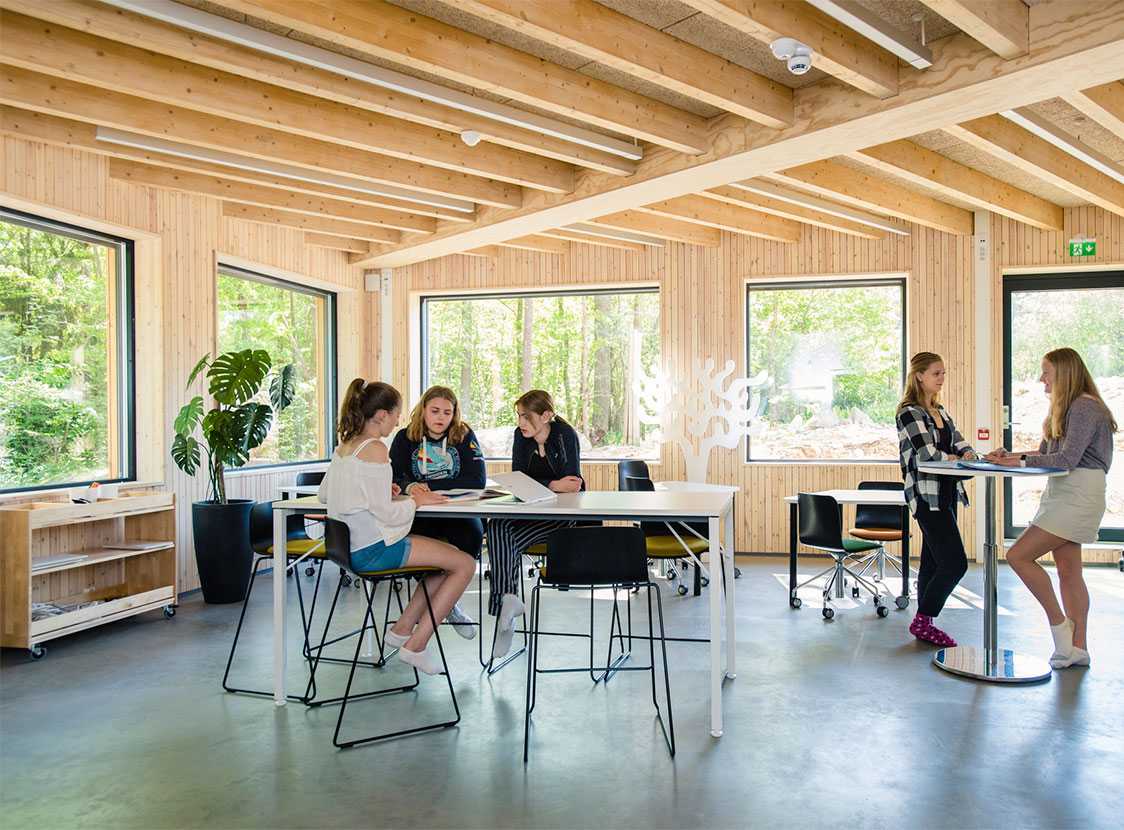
[{"x": 1087, "y": 442}]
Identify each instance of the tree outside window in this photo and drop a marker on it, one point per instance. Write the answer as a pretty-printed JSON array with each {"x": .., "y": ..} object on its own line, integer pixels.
[{"x": 585, "y": 349}]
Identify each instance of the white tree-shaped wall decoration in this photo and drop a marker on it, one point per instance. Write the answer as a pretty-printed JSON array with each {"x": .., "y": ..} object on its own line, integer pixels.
[{"x": 708, "y": 409}]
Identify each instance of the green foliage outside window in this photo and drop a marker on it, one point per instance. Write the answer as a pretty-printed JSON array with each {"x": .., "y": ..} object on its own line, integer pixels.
[{"x": 55, "y": 292}]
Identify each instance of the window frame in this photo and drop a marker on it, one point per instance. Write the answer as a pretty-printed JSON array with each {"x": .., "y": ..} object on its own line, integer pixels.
[
  {"x": 899, "y": 280},
  {"x": 125, "y": 356},
  {"x": 1052, "y": 281},
  {"x": 331, "y": 346},
  {"x": 424, "y": 297}
]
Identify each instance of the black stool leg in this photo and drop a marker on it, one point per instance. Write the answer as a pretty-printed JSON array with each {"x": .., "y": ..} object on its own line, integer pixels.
[
  {"x": 241, "y": 617},
  {"x": 669, "y": 732},
  {"x": 532, "y": 669}
]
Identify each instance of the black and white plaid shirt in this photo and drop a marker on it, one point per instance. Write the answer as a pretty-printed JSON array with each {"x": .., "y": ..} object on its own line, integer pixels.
[{"x": 917, "y": 444}]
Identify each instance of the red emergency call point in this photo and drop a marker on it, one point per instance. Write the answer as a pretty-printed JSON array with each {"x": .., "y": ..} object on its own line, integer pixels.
[{"x": 983, "y": 434}]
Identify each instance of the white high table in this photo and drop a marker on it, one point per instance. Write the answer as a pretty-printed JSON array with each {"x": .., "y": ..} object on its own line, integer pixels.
[
  {"x": 668, "y": 506},
  {"x": 991, "y": 663}
]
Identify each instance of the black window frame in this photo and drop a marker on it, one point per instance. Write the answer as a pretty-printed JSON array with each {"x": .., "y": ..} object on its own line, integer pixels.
[
  {"x": 788, "y": 285},
  {"x": 423, "y": 330},
  {"x": 331, "y": 350},
  {"x": 1017, "y": 283},
  {"x": 126, "y": 340}
]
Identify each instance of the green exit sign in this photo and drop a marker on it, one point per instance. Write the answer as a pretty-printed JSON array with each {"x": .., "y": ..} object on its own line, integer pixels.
[{"x": 1082, "y": 247}]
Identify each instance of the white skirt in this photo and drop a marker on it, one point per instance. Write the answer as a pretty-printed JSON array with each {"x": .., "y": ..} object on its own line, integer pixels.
[{"x": 1072, "y": 506}]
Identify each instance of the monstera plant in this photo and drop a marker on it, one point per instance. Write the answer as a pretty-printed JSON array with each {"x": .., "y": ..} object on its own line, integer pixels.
[{"x": 238, "y": 422}]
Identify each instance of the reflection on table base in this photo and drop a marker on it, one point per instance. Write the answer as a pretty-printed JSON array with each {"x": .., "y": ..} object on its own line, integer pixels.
[{"x": 1006, "y": 666}]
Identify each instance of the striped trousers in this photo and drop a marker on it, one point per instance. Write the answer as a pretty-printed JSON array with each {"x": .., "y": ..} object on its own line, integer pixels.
[{"x": 507, "y": 540}]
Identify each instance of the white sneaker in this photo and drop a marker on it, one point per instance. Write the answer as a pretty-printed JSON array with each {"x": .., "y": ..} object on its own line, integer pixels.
[
  {"x": 1077, "y": 657},
  {"x": 511, "y": 608},
  {"x": 462, "y": 623},
  {"x": 423, "y": 661}
]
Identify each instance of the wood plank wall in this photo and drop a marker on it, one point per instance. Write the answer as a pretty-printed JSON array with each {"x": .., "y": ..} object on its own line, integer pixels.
[
  {"x": 192, "y": 231},
  {"x": 702, "y": 308}
]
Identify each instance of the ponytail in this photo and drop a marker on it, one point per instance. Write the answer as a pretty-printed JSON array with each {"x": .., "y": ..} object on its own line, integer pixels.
[{"x": 360, "y": 403}]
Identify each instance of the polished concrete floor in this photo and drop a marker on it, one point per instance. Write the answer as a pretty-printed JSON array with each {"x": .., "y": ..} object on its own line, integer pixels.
[{"x": 828, "y": 724}]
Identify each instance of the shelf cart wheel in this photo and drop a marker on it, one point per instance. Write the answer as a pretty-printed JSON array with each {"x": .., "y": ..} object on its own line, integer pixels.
[
  {"x": 37, "y": 652},
  {"x": 901, "y": 602},
  {"x": 169, "y": 611}
]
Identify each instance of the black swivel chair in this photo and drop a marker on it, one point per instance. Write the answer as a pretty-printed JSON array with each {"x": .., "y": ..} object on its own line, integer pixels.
[
  {"x": 586, "y": 558},
  {"x": 663, "y": 546},
  {"x": 821, "y": 527},
  {"x": 337, "y": 540}
]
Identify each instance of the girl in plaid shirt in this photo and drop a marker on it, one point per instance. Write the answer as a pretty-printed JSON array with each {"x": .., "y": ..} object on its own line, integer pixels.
[{"x": 926, "y": 433}]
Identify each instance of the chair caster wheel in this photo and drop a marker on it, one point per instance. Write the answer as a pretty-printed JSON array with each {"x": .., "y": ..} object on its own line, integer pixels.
[
  {"x": 672, "y": 575},
  {"x": 37, "y": 652},
  {"x": 681, "y": 590},
  {"x": 310, "y": 570},
  {"x": 883, "y": 611},
  {"x": 169, "y": 611},
  {"x": 901, "y": 602},
  {"x": 828, "y": 613},
  {"x": 530, "y": 573},
  {"x": 795, "y": 602},
  {"x": 704, "y": 581},
  {"x": 737, "y": 573},
  {"x": 488, "y": 574},
  {"x": 877, "y": 577},
  {"x": 854, "y": 593}
]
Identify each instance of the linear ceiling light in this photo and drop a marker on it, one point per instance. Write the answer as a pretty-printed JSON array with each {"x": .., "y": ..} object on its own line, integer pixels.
[
  {"x": 285, "y": 47},
  {"x": 1065, "y": 142},
  {"x": 872, "y": 27},
  {"x": 775, "y": 191},
  {"x": 613, "y": 233},
  {"x": 189, "y": 151}
]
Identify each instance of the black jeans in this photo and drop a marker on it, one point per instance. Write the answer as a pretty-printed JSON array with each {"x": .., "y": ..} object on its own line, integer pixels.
[
  {"x": 466, "y": 534},
  {"x": 943, "y": 560}
]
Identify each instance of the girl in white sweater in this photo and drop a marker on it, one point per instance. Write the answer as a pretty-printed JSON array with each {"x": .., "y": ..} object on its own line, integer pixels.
[{"x": 359, "y": 491}]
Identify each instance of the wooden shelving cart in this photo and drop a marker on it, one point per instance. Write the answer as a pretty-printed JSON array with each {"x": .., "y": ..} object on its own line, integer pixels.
[{"x": 119, "y": 582}]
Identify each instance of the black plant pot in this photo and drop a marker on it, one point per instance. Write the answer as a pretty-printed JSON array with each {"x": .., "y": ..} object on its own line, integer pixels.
[{"x": 222, "y": 548}]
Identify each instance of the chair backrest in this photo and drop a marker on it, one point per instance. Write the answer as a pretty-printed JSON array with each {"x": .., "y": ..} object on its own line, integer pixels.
[
  {"x": 646, "y": 485},
  {"x": 638, "y": 484},
  {"x": 310, "y": 477},
  {"x": 820, "y": 524},
  {"x": 261, "y": 525},
  {"x": 596, "y": 556},
  {"x": 337, "y": 542},
  {"x": 868, "y": 516},
  {"x": 631, "y": 468}
]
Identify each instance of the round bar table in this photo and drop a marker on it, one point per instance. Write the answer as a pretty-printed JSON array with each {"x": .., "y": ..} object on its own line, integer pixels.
[{"x": 991, "y": 663}]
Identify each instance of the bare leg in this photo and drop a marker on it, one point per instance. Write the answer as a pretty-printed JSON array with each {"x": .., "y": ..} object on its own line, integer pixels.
[
  {"x": 1075, "y": 595},
  {"x": 444, "y": 589},
  {"x": 1023, "y": 559}
]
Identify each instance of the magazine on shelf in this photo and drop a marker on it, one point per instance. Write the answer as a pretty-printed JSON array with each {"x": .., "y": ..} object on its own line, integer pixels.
[
  {"x": 43, "y": 562},
  {"x": 137, "y": 545}
]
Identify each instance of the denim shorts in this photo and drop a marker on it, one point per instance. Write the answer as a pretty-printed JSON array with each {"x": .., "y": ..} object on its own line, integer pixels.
[{"x": 380, "y": 556}]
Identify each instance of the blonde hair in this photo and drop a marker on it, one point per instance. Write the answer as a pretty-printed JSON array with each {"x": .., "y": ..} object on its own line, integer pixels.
[
  {"x": 1071, "y": 381},
  {"x": 360, "y": 403},
  {"x": 457, "y": 429},
  {"x": 913, "y": 394}
]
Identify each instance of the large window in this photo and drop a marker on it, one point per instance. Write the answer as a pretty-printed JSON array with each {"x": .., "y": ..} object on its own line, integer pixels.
[
  {"x": 585, "y": 349},
  {"x": 1043, "y": 313},
  {"x": 834, "y": 357},
  {"x": 66, "y": 355},
  {"x": 295, "y": 325}
]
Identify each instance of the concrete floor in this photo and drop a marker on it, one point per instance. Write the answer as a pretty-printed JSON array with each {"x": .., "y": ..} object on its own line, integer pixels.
[{"x": 828, "y": 724}]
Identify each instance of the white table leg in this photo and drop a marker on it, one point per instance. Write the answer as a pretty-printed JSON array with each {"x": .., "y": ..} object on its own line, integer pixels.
[
  {"x": 715, "y": 558},
  {"x": 279, "y": 556},
  {"x": 728, "y": 588}
]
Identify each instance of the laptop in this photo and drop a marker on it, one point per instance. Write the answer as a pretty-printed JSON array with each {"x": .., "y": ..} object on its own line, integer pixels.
[{"x": 525, "y": 488}]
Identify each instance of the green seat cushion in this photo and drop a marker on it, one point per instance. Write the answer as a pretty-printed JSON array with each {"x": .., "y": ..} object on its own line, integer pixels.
[
  {"x": 858, "y": 545},
  {"x": 668, "y": 547}
]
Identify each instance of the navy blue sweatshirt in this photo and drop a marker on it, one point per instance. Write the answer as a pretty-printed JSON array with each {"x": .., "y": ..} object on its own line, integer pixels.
[
  {"x": 563, "y": 452},
  {"x": 440, "y": 465}
]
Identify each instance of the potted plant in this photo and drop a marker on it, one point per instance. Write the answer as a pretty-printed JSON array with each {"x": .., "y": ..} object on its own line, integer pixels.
[{"x": 237, "y": 423}]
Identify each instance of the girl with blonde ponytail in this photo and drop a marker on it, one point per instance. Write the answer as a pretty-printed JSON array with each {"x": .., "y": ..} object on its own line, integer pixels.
[
  {"x": 359, "y": 491},
  {"x": 1076, "y": 436}
]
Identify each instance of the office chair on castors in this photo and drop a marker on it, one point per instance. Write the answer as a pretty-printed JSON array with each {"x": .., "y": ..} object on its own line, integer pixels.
[
  {"x": 882, "y": 524},
  {"x": 672, "y": 542}
]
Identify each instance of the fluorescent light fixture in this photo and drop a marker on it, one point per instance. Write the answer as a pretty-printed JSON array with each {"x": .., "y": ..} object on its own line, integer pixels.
[
  {"x": 775, "y": 191},
  {"x": 189, "y": 151},
  {"x": 1065, "y": 142},
  {"x": 242, "y": 34},
  {"x": 614, "y": 233},
  {"x": 872, "y": 27}
]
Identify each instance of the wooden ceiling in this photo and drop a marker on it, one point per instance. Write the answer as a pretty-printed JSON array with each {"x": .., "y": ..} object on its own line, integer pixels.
[{"x": 622, "y": 123}]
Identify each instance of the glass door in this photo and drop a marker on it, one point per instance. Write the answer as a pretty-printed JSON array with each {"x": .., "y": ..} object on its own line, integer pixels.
[{"x": 1047, "y": 312}]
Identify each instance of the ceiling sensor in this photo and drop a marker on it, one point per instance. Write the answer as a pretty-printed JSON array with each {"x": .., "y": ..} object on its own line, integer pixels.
[
  {"x": 471, "y": 137},
  {"x": 798, "y": 55}
]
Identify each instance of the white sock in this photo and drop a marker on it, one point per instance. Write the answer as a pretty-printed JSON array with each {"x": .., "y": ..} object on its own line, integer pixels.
[
  {"x": 1076, "y": 657},
  {"x": 423, "y": 661},
  {"x": 395, "y": 640},
  {"x": 1063, "y": 639}
]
